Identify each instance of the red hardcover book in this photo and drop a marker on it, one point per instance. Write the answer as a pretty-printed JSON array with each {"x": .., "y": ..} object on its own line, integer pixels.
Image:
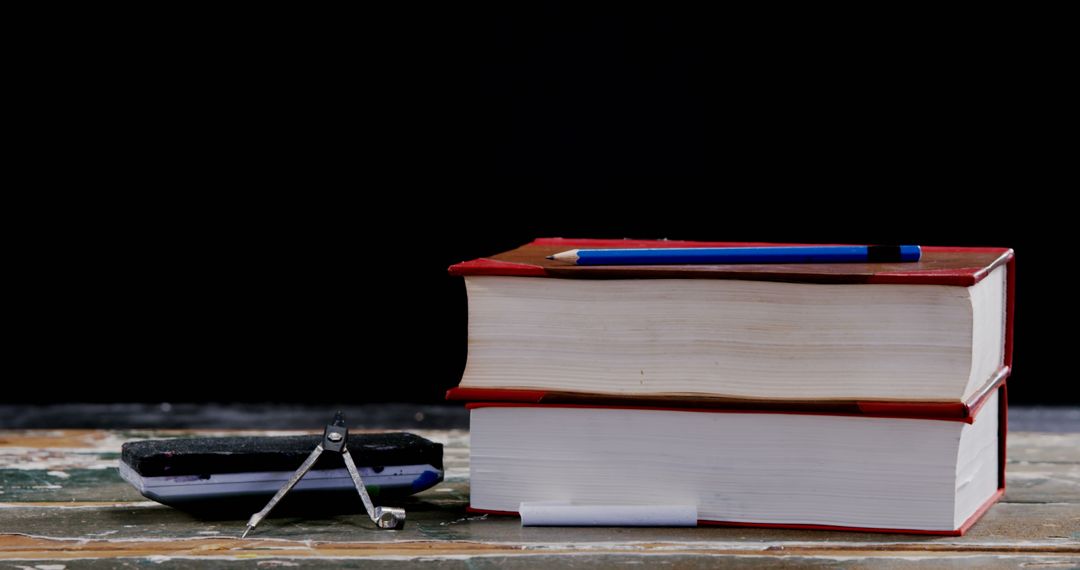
[
  {"x": 757, "y": 468},
  {"x": 875, "y": 338},
  {"x": 566, "y": 321}
]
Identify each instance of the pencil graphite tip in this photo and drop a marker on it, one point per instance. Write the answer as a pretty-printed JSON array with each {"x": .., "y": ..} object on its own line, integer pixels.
[
  {"x": 246, "y": 531},
  {"x": 550, "y": 257}
]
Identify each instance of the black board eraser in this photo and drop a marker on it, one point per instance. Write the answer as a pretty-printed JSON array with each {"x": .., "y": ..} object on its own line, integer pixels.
[{"x": 227, "y": 472}]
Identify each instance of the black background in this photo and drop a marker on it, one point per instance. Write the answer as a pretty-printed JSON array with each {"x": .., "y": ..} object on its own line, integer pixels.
[{"x": 257, "y": 213}]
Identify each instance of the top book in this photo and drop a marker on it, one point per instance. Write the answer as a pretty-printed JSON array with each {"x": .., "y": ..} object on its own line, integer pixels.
[{"x": 936, "y": 331}]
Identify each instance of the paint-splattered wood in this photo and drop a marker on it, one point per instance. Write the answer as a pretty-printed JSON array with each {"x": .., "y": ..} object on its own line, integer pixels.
[{"x": 62, "y": 503}]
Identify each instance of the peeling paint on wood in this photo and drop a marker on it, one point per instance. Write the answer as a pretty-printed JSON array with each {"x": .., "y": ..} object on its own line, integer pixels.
[{"x": 61, "y": 500}]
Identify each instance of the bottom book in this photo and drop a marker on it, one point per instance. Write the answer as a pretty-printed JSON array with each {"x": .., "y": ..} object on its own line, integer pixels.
[{"x": 797, "y": 470}]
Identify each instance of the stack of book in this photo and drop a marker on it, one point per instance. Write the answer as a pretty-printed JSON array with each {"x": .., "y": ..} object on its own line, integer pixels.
[{"x": 866, "y": 396}]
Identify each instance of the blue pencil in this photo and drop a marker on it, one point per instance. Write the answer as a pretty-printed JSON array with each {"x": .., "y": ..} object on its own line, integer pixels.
[{"x": 726, "y": 255}]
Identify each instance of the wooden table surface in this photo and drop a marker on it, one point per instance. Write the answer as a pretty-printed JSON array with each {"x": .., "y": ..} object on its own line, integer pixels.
[{"x": 62, "y": 505}]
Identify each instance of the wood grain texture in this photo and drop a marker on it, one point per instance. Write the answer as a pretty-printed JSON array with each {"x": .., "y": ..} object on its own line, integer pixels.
[{"x": 61, "y": 502}]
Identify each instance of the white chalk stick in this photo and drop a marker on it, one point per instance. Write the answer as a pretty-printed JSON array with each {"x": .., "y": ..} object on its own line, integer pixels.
[{"x": 548, "y": 514}]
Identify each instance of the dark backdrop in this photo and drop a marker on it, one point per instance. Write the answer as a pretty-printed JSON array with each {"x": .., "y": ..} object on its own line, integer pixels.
[
  {"x": 255, "y": 216},
  {"x": 252, "y": 310}
]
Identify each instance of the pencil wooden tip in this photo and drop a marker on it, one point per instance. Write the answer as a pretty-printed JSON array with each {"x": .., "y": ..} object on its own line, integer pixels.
[{"x": 568, "y": 256}]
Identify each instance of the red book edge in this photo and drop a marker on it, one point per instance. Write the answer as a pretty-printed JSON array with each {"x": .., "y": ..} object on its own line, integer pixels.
[
  {"x": 484, "y": 266},
  {"x": 1003, "y": 431},
  {"x": 889, "y": 409},
  {"x": 945, "y": 411},
  {"x": 952, "y": 277},
  {"x": 1010, "y": 308}
]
